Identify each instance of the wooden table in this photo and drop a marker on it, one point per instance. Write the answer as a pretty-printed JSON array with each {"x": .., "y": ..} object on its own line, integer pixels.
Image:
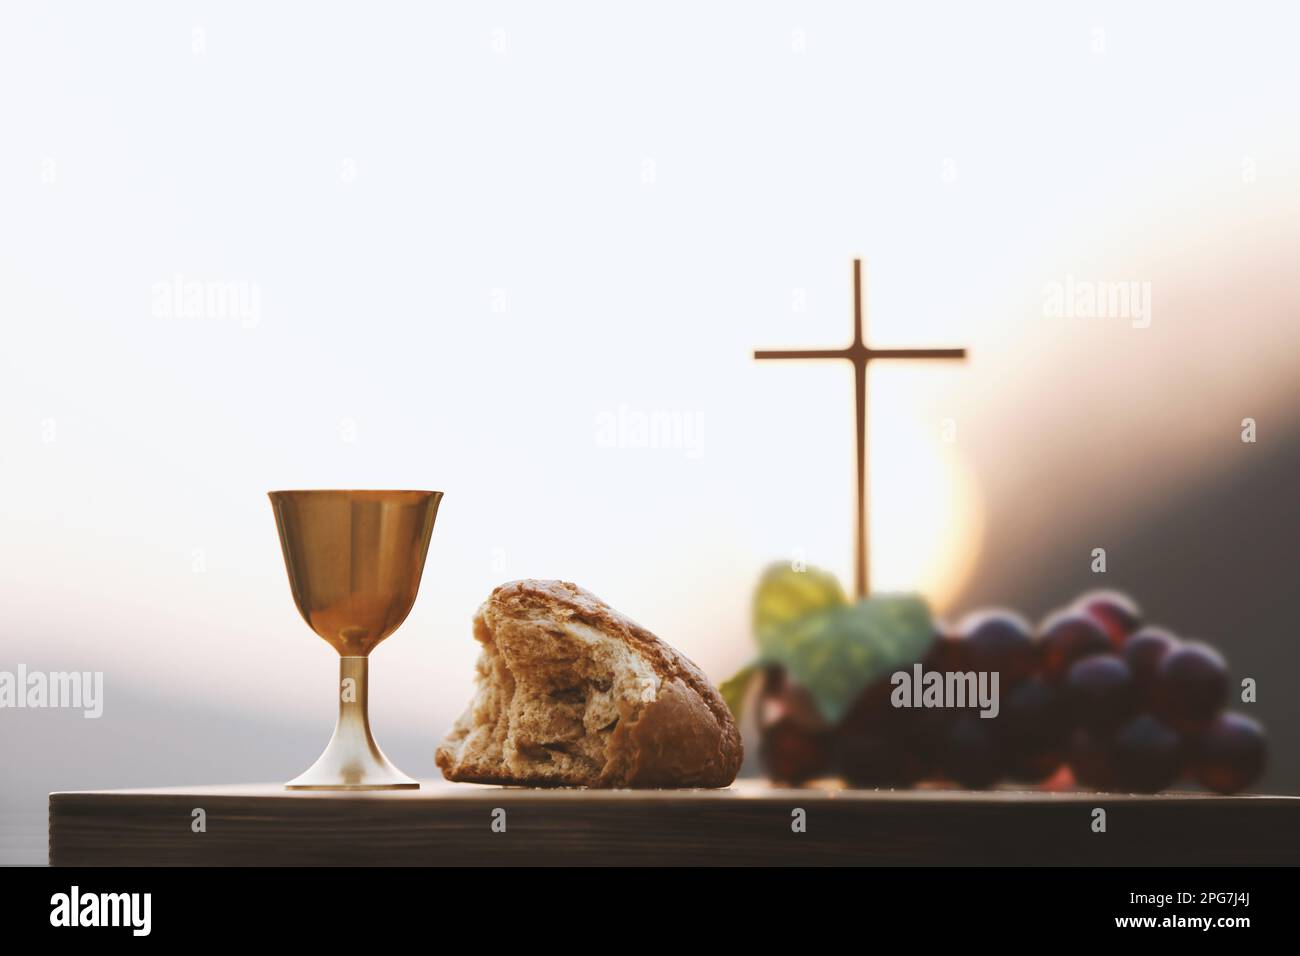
[{"x": 750, "y": 823}]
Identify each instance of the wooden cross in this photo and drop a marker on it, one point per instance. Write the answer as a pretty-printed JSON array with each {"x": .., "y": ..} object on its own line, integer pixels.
[{"x": 859, "y": 353}]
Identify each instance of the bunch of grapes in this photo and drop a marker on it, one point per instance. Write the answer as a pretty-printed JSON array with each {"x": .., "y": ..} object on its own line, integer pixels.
[{"x": 1092, "y": 695}]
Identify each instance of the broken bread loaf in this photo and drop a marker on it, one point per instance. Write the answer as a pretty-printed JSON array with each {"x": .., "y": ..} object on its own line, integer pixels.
[{"x": 572, "y": 693}]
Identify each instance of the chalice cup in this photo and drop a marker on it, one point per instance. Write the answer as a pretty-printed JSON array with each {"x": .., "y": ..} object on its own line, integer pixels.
[{"x": 354, "y": 560}]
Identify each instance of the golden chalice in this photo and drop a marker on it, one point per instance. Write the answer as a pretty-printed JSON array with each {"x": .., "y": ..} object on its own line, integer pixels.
[{"x": 354, "y": 559}]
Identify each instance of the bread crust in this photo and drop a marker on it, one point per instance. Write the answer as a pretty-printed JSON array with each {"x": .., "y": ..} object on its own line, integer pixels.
[{"x": 684, "y": 737}]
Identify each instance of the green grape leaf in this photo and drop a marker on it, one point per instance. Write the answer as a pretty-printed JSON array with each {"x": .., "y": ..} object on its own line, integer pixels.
[
  {"x": 735, "y": 689},
  {"x": 837, "y": 651},
  {"x": 784, "y": 595}
]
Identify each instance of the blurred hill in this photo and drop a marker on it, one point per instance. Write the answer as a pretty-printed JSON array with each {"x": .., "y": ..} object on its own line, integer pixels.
[
  {"x": 1213, "y": 559},
  {"x": 147, "y": 740}
]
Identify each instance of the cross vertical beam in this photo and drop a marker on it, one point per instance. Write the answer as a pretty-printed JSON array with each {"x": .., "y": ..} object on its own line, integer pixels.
[{"x": 860, "y": 355}]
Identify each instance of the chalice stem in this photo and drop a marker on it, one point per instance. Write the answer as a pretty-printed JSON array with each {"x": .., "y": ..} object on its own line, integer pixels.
[
  {"x": 352, "y": 760},
  {"x": 352, "y": 730}
]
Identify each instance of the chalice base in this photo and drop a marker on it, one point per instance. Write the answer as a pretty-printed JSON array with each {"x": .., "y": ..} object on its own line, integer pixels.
[{"x": 352, "y": 760}]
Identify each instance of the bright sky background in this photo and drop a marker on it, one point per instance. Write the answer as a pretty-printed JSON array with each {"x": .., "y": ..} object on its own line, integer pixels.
[{"x": 646, "y": 192}]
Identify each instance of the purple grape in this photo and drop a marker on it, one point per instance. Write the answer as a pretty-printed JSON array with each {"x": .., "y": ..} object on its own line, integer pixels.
[
  {"x": 1032, "y": 725},
  {"x": 948, "y": 655},
  {"x": 1067, "y": 637},
  {"x": 1114, "y": 611},
  {"x": 1144, "y": 652},
  {"x": 999, "y": 641},
  {"x": 1148, "y": 756},
  {"x": 1231, "y": 755},
  {"x": 970, "y": 754},
  {"x": 792, "y": 754},
  {"x": 1101, "y": 693},
  {"x": 783, "y": 699},
  {"x": 1191, "y": 686}
]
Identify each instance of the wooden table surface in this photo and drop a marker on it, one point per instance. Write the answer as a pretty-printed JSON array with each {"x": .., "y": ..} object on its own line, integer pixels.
[{"x": 750, "y": 823}]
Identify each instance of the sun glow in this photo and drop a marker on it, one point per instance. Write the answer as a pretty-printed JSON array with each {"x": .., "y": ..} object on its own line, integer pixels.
[{"x": 926, "y": 518}]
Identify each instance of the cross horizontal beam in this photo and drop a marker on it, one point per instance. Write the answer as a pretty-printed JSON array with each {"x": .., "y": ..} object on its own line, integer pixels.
[
  {"x": 917, "y": 353},
  {"x": 802, "y": 353},
  {"x": 867, "y": 354}
]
